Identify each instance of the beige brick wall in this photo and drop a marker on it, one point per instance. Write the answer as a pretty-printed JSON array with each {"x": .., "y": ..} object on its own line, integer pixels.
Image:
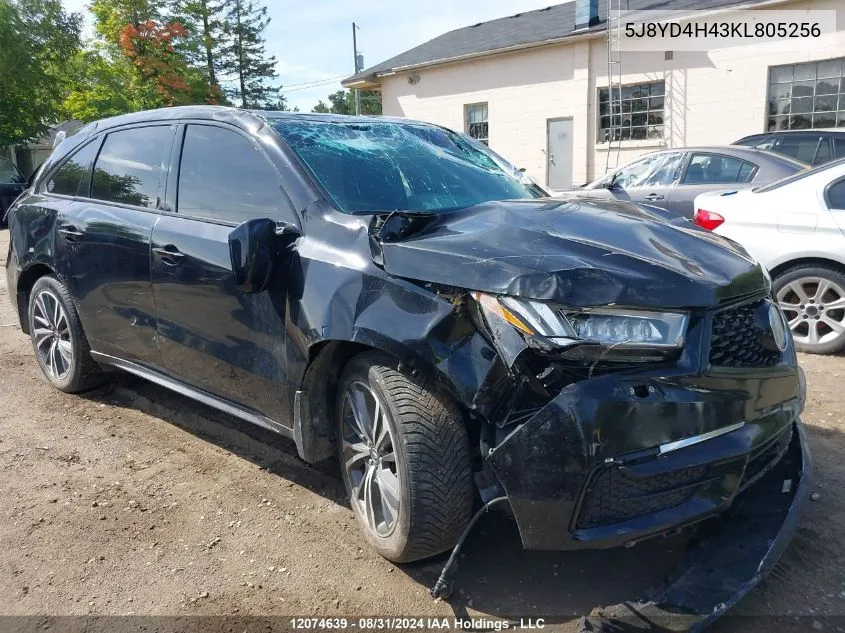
[{"x": 712, "y": 97}]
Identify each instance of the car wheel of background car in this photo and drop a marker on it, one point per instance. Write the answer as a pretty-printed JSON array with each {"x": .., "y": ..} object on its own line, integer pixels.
[
  {"x": 58, "y": 340},
  {"x": 813, "y": 300},
  {"x": 404, "y": 455}
]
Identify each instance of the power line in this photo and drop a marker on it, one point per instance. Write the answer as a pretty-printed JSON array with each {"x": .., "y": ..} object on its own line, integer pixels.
[
  {"x": 315, "y": 81},
  {"x": 317, "y": 85}
]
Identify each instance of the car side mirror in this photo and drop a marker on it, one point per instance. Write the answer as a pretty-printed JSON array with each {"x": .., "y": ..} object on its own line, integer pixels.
[{"x": 254, "y": 247}]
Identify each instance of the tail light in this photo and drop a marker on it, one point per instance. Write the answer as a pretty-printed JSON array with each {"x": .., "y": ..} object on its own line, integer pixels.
[{"x": 708, "y": 219}]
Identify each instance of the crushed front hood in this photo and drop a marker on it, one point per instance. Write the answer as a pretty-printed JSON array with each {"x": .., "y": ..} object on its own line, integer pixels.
[{"x": 579, "y": 252}]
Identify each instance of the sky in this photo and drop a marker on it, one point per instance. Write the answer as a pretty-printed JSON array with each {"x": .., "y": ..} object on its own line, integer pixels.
[{"x": 312, "y": 41}]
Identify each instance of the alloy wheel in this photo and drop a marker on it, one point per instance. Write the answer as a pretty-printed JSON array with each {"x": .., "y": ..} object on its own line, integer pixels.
[
  {"x": 814, "y": 308},
  {"x": 369, "y": 459},
  {"x": 51, "y": 334}
]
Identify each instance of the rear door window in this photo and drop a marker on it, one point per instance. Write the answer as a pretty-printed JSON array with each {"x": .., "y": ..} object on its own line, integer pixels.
[
  {"x": 130, "y": 166},
  {"x": 800, "y": 146},
  {"x": 74, "y": 176},
  {"x": 839, "y": 147},
  {"x": 225, "y": 176},
  {"x": 705, "y": 168}
]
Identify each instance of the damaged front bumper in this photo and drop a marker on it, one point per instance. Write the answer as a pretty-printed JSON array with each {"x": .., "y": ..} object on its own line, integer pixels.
[
  {"x": 618, "y": 458},
  {"x": 734, "y": 555},
  {"x": 613, "y": 460}
]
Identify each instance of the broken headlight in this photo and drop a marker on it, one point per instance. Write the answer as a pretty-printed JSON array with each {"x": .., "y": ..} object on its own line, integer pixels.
[{"x": 603, "y": 326}]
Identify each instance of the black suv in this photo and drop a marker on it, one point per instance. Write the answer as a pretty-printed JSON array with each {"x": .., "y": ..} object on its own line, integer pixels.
[
  {"x": 814, "y": 147},
  {"x": 381, "y": 290}
]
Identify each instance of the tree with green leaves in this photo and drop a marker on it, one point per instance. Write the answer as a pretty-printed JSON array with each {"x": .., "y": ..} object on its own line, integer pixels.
[
  {"x": 104, "y": 85},
  {"x": 138, "y": 62},
  {"x": 204, "y": 21},
  {"x": 37, "y": 40},
  {"x": 343, "y": 102},
  {"x": 321, "y": 108},
  {"x": 112, "y": 16},
  {"x": 245, "y": 60}
]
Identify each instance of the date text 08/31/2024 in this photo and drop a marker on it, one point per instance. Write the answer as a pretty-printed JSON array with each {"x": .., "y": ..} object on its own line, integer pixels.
[{"x": 408, "y": 623}]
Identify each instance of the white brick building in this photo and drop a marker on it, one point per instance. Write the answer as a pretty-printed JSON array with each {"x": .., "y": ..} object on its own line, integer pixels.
[{"x": 520, "y": 80}]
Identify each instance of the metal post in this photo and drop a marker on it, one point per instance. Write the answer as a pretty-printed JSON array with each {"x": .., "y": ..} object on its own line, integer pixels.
[{"x": 357, "y": 70}]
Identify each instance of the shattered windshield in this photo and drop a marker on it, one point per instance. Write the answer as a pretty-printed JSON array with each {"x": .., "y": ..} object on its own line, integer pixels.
[{"x": 388, "y": 166}]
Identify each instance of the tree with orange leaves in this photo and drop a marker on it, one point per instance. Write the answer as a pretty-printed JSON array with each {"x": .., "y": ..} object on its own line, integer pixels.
[{"x": 151, "y": 48}]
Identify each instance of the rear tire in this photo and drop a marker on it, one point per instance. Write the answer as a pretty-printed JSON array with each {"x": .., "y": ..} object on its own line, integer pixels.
[
  {"x": 812, "y": 298},
  {"x": 60, "y": 346},
  {"x": 408, "y": 440}
]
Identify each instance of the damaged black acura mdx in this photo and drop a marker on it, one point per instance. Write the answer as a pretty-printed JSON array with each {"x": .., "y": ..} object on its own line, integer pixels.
[{"x": 388, "y": 292}]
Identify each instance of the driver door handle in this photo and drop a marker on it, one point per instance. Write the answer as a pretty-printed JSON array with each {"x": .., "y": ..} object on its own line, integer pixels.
[
  {"x": 169, "y": 254},
  {"x": 654, "y": 196}
]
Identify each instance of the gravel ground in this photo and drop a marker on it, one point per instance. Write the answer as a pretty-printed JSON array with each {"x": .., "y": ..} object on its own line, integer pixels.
[{"x": 133, "y": 500}]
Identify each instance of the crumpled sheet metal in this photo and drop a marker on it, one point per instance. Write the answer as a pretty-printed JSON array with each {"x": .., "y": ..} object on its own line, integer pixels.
[{"x": 578, "y": 253}]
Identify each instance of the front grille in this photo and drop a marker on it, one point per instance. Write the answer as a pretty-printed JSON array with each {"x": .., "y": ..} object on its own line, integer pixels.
[
  {"x": 615, "y": 495},
  {"x": 742, "y": 337}
]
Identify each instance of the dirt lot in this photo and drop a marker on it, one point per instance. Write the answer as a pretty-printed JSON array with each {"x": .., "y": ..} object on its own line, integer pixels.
[{"x": 132, "y": 500}]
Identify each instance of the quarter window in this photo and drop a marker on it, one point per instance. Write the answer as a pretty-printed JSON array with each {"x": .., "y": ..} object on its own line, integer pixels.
[
  {"x": 836, "y": 195},
  {"x": 715, "y": 168},
  {"x": 634, "y": 113},
  {"x": 224, "y": 176},
  {"x": 130, "y": 165},
  {"x": 74, "y": 176},
  {"x": 810, "y": 95},
  {"x": 475, "y": 122}
]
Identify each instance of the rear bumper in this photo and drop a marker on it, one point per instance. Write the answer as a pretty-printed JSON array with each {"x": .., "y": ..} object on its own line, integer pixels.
[
  {"x": 736, "y": 553},
  {"x": 616, "y": 459}
]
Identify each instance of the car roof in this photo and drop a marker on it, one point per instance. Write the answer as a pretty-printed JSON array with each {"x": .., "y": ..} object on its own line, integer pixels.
[
  {"x": 239, "y": 116},
  {"x": 811, "y": 131},
  {"x": 738, "y": 151},
  {"x": 728, "y": 149},
  {"x": 807, "y": 131}
]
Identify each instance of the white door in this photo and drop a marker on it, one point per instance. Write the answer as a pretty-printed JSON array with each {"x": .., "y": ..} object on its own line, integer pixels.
[{"x": 559, "y": 153}]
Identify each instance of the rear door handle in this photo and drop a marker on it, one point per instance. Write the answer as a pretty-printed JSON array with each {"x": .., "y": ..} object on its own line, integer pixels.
[
  {"x": 654, "y": 196},
  {"x": 169, "y": 254},
  {"x": 70, "y": 233}
]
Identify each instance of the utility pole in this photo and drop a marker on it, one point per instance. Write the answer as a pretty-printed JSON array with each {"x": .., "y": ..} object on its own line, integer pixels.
[{"x": 357, "y": 69}]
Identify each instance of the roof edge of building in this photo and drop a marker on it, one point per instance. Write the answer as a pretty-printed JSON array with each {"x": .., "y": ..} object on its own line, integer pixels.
[{"x": 369, "y": 78}]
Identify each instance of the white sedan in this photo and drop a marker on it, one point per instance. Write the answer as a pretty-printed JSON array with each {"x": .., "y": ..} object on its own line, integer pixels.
[{"x": 795, "y": 227}]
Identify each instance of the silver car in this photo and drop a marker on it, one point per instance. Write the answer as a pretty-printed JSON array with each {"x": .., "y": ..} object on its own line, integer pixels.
[{"x": 672, "y": 178}]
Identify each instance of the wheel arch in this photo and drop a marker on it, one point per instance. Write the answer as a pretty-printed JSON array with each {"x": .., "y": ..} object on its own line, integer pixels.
[
  {"x": 314, "y": 402},
  {"x": 26, "y": 281},
  {"x": 781, "y": 268}
]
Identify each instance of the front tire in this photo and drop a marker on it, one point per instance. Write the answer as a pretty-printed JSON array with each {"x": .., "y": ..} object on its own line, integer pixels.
[
  {"x": 405, "y": 459},
  {"x": 60, "y": 346},
  {"x": 813, "y": 300}
]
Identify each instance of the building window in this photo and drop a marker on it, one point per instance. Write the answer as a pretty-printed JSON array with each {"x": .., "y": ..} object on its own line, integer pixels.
[
  {"x": 810, "y": 95},
  {"x": 638, "y": 116},
  {"x": 475, "y": 121}
]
